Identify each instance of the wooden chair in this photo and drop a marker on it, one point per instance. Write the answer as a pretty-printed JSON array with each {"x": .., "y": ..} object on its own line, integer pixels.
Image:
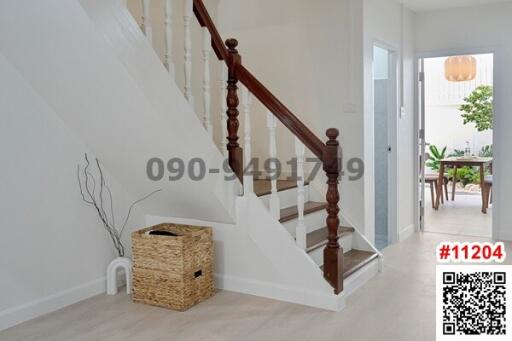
[
  {"x": 432, "y": 180},
  {"x": 454, "y": 181},
  {"x": 487, "y": 190}
]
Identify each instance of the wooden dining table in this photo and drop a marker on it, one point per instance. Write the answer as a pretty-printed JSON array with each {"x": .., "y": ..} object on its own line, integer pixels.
[{"x": 459, "y": 162}]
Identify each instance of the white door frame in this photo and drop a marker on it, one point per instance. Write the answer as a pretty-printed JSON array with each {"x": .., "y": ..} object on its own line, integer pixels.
[
  {"x": 393, "y": 112},
  {"x": 417, "y": 113},
  {"x": 420, "y": 144}
]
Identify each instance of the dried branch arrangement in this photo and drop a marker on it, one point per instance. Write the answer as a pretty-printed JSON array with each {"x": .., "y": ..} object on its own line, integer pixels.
[{"x": 96, "y": 192}]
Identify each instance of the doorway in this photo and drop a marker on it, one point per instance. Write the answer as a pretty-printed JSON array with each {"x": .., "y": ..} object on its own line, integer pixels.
[
  {"x": 455, "y": 130},
  {"x": 384, "y": 108}
]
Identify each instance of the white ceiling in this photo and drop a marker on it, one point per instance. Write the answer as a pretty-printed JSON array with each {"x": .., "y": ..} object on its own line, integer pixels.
[{"x": 432, "y": 5}]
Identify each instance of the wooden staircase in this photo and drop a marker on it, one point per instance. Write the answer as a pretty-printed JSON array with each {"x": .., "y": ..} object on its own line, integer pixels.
[
  {"x": 316, "y": 237},
  {"x": 315, "y": 225}
]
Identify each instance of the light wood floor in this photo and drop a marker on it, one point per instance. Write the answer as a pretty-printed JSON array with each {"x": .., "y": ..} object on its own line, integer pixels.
[{"x": 399, "y": 304}]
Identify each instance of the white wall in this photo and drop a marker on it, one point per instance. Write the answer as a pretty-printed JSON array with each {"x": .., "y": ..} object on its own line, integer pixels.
[
  {"x": 477, "y": 30},
  {"x": 93, "y": 85},
  {"x": 53, "y": 248},
  {"x": 309, "y": 55},
  {"x": 101, "y": 77},
  {"x": 390, "y": 25}
]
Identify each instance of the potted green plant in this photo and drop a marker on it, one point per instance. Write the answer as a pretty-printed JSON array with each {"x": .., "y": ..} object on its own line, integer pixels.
[
  {"x": 436, "y": 156},
  {"x": 486, "y": 151}
]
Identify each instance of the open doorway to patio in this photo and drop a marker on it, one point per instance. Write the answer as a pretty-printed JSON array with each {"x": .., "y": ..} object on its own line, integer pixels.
[{"x": 456, "y": 144}]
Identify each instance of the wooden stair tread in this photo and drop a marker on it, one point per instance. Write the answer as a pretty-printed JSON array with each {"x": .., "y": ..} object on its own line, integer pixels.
[
  {"x": 263, "y": 186},
  {"x": 318, "y": 238},
  {"x": 355, "y": 260},
  {"x": 290, "y": 213}
]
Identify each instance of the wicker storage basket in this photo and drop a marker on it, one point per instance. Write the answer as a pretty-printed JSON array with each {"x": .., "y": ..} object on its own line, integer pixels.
[{"x": 174, "y": 272}]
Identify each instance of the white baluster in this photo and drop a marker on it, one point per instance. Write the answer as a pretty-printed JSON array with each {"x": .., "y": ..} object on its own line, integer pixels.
[
  {"x": 207, "y": 41},
  {"x": 248, "y": 171},
  {"x": 189, "y": 10},
  {"x": 169, "y": 64},
  {"x": 275, "y": 209},
  {"x": 300, "y": 230},
  {"x": 224, "y": 109},
  {"x": 146, "y": 20}
]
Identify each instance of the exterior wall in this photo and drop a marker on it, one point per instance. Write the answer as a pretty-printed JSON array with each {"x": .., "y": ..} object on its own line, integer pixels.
[
  {"x": 478, "y": 30},
  {"x": 444, "y": 127}
]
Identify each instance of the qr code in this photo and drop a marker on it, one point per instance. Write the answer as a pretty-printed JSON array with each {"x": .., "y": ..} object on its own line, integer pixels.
[{"x": 473, "y": 300}]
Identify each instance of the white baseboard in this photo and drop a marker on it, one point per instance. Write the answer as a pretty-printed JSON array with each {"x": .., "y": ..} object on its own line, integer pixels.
[
  {"x": 406, "y": 233},
  {"x": 28, "y": 311},
  {"x": 278, "y": 292},
  {"x": 298, "y": 296},
  {"x": 45, "y": 305}
]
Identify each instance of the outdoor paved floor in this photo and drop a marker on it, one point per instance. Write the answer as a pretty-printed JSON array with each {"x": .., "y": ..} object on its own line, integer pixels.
[{"x": 460, "y": 217}]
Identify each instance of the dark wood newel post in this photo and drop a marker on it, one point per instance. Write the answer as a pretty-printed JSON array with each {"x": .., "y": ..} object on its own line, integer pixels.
[
  {"x": 333, "y": 253},
  {"x": 234, "y": 150}
]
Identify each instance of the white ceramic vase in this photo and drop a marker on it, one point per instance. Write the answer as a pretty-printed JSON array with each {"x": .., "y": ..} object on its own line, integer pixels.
[{"x": 125, "y": 264}]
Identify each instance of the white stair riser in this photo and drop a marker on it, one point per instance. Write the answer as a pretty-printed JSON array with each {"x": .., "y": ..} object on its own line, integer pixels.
[
  {"x": 318, "y": 254},
  {"x": 361, "y": 276},
  {"x": 313, "y": 221},
  {"x": 287, "y": 198}
]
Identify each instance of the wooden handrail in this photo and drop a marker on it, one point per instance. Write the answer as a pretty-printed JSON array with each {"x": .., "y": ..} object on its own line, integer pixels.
[
  {"x": 328, "y": 152},
  {"x": 284, "y": 115},
  {"x": 205, "y": 20},
  {"x": 266, "y": 97}
]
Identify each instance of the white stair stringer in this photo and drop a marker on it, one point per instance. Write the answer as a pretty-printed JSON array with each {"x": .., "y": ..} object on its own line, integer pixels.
[
  {"x": 97, "y": 71},
  {"x": 257, "y": 256},
  {"x": 133, "y": 48},
  {"x": 348, "y": 241}
]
